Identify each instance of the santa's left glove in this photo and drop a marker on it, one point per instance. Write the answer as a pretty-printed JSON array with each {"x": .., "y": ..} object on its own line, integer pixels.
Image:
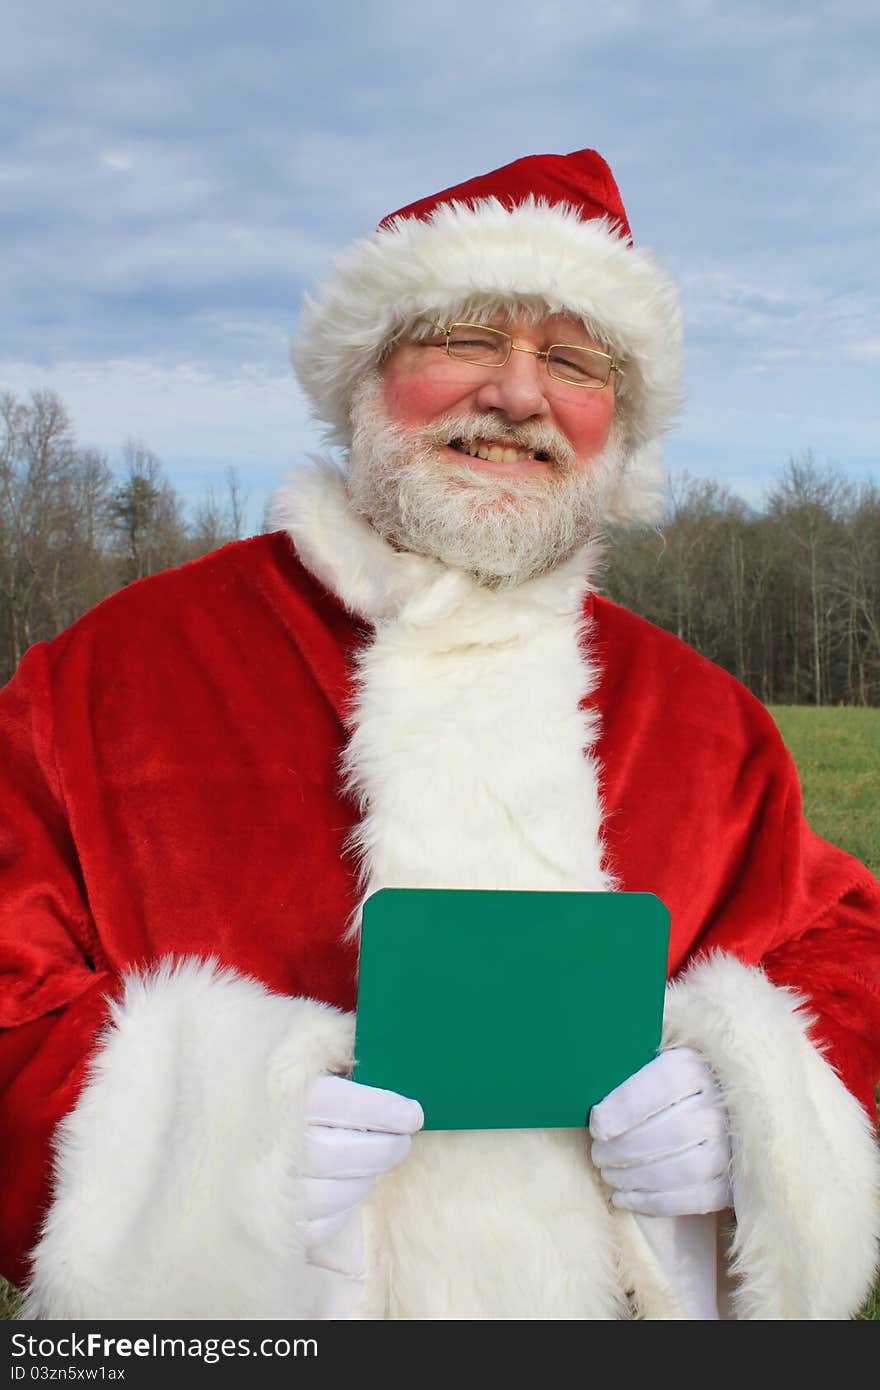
[
  {"x": 661, "y": 1140},
  {"x": 353, "y": 1133}
]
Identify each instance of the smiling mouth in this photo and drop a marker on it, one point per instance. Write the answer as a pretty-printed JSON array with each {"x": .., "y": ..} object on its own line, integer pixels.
[{"x": 493, "y": 451}]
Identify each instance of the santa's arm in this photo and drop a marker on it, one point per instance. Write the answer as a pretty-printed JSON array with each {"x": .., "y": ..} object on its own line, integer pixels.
[
  {"x": 781, "y": 997},
  {"x": 795, "y": 1043},
  {"x": 177, "y": 1187},
  {"x": 157, "y": 1138},
  {"x": 53, "y": 976},
  {"x": 805, "y": 1175},
  {"x": 150, "y": 1121},
  {"x": 835, "y": 966}
]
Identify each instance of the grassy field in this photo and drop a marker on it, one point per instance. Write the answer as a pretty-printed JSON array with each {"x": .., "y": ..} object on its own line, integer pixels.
[
  {"x": 8, "y": 1301},
  {"x": 837, "y": 752}
]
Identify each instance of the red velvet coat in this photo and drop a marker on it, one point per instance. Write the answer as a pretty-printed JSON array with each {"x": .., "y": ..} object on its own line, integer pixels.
[{"x": 170, "y": 785}]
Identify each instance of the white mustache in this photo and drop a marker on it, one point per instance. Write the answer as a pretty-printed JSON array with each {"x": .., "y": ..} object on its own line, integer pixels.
[{"x": 529, "y": 434}]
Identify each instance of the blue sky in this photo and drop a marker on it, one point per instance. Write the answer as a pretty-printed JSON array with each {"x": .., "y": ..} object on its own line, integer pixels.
[{"x": 173, "y": 176}]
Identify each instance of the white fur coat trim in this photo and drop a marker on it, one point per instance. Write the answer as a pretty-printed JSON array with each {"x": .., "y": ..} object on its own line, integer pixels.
[
  {"x": 176, "y": 1172},
  {"x": 806, "y": 1171}
]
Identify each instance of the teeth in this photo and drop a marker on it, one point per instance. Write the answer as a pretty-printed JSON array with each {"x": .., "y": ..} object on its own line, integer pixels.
[{"x": 496, "y": 453}]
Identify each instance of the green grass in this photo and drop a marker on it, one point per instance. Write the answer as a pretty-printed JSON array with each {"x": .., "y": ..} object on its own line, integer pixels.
[
  {"x": 837, "y": 752},
  {"x": 871, "y": 1310},
  {"x": 9, "y": 1301}
]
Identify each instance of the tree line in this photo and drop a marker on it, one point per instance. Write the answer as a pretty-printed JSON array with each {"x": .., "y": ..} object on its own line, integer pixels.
[
  {"x": 786, "y": 597},
  {"x": 72, "y": 531}
]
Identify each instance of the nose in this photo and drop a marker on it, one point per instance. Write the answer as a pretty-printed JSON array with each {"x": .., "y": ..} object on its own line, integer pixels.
[{"x": 518, "y": 388}]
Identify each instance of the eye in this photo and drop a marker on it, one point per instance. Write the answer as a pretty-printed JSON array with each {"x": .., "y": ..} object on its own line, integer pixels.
[
  {"x": 578, "y": 364},
  {"x": 473, "y": 343},
  {"x": 570, "y": 363}
]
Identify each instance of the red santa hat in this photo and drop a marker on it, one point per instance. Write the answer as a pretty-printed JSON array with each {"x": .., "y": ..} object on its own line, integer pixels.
[{"x": 546, "y": 230}]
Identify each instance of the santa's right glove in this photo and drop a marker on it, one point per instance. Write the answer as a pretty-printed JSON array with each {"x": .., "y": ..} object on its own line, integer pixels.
[{"x": 353, "y": 1133}]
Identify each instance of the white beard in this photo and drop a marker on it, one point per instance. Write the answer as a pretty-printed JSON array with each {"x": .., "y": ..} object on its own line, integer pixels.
[{"x": 501, "y": 530}]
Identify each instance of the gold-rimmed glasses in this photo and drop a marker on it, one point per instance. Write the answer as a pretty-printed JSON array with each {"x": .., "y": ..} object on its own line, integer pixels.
[{"x": 482, "y": 346}]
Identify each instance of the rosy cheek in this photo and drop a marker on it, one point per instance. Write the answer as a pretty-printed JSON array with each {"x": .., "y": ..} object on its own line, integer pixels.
[
  {"x": 418, "y": 399},
  {"x": 588, "y": 426}
]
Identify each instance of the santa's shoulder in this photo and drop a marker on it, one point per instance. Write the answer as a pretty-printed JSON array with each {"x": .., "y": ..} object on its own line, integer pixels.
[
  {"x": 236, "y": 590},
  {"x": 645, "y": 667}
]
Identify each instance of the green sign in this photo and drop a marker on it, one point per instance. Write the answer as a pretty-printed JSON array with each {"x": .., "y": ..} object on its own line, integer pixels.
[{"x": 508, "y": 1010}]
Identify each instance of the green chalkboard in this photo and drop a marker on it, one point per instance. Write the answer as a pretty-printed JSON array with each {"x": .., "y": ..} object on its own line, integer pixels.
[{"x": 508, "y": 1010}]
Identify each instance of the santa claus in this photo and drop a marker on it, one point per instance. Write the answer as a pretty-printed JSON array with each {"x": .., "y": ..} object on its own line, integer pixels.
[{"x": 415, "y": 682}]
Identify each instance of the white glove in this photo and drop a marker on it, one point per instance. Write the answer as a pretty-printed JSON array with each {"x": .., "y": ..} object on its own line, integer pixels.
[
  {"x": 661, "y": 1139},
  {"x": 353, "y": 1133}
]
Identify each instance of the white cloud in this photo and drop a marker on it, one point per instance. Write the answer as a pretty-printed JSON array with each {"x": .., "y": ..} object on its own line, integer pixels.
[
  {"x": 181, "y": 408},
  {"x": 173, "y": 175},
  {"x": 197, "y": 421},
  {"x": 868, "y": 351}
]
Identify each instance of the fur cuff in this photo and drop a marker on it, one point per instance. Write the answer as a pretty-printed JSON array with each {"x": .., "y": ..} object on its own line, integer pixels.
[
  {"x": 806, "y": 1172},
  {"x": 175, "y": 1174}
]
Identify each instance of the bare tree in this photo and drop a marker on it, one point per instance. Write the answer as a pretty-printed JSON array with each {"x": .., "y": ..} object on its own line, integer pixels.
[
  {"x": 809, "y": 506},
  {"x": 217, "y": 522},
  {"x": 71, "y": 533},
  {"x": 857, "y": 587},
  {"x": 236, "y": 503},
  {"x": 788, "y": 598},
  {"x": 38, "y": 474}
]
